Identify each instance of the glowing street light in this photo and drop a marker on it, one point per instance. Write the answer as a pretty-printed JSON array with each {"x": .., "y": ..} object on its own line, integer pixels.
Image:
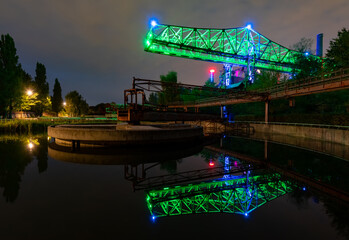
[
  {"x": 29, "y": 92},
  {"x": 64, "y": 103},
  {"x": 30, "y": 145}
]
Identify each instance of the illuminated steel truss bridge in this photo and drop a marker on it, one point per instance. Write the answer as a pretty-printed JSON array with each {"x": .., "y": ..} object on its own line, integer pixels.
[
  {"x": 240, "y": 195},
  {"x": 241, "y": 46}
]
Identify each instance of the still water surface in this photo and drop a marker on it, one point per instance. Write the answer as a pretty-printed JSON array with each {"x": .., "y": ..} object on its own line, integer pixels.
[{"x": 49, "y": 194}]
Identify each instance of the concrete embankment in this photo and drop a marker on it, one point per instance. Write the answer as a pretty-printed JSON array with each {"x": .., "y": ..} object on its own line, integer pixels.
[
  {"x": 333, "y": 134},
  {"x": 326, "y": 134}
]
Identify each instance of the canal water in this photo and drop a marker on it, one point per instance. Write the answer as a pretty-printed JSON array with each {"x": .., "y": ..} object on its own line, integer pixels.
[{"x": 187, "y": 192}]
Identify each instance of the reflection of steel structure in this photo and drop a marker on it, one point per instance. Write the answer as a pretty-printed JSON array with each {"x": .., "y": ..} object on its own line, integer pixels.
[
  {"x": 241, "y": 196},
  {"x": 188, "y": 176}
]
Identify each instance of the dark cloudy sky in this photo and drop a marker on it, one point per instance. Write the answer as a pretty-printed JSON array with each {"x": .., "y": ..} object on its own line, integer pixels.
[{"x": 95, "y": 46}]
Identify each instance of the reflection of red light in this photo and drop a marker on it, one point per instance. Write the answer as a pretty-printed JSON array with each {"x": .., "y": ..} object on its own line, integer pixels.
[
  {"x": 212, "y": 70},
  {"x": 211, "y": 164}
]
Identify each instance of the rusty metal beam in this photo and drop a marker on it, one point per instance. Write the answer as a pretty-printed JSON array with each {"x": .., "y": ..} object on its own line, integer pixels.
[{"x": 335, "y": 81}]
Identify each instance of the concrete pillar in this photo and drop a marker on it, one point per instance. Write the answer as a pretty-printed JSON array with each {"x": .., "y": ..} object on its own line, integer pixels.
[{"x": 266, "y": 114}]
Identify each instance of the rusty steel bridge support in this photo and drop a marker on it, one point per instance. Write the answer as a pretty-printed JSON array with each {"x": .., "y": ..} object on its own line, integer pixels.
[{"x": 266, "y": 113}]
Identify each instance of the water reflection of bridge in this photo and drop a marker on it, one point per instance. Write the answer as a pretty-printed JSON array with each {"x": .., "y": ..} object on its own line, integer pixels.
[
  {"x": 235, "y": 187},
  {"x": 318, "y": 185},
  {"x": 240, "y": 195}
]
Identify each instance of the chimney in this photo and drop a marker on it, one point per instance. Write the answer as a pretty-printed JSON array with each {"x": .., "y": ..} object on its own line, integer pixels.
[{"x": 319, "y": 43}]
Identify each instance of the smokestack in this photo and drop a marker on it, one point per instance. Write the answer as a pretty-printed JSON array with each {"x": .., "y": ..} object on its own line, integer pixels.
[{"x": 319, "y": 43}]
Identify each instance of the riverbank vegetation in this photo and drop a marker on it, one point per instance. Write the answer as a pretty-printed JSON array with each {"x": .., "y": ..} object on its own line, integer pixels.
[
  {"x": 20, "y": 92},
  {"x": 40, "y": 125}
]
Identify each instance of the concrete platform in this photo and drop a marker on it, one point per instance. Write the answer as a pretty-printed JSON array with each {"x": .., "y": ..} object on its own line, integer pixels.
[{"x": 80, "y": 136}]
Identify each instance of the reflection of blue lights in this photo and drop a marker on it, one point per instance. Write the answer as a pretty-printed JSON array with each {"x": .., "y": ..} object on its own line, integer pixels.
[
  {"x": 153, "y": 218},
  {"x": 304, "y": 188}
]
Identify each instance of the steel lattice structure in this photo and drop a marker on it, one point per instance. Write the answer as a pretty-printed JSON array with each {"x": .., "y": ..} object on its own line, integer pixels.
[
  {"x": 240, "y": 46},
  {"x": 239, "y": 195}
]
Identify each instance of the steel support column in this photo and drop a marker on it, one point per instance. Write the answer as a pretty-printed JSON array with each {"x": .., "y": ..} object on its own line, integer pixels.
[{"x": 266, "y": 114}]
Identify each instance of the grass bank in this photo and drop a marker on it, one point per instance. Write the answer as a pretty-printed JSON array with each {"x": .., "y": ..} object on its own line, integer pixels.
[{"x": 40, "y": 125}]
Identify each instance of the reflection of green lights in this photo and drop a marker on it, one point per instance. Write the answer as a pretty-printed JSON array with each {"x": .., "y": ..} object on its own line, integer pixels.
[
  {"x": 233, "y": 46},
  {"x": 240, "y": 196}
]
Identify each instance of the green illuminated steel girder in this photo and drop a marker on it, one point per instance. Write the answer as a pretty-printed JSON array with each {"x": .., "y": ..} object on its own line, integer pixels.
[
  {"x": 232, "y": 46},
  {"x": 240, "y": 196}
]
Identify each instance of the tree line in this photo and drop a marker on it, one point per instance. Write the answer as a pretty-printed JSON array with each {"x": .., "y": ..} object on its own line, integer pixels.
[{"x": 20, "y": 92}]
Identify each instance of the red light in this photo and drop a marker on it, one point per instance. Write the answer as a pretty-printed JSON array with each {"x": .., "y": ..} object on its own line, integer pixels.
[
  {"x": 211, "y": 164},
  {"x": 212, "y": 70}
]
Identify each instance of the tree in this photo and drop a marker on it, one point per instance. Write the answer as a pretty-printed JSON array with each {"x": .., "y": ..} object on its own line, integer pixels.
[
  {"x": 338, "y": 52},
  {"x": 57, "y": 100},
  {"x": 42, "y": 89},
  {"x": 154, "y": 99},
  {"x": 10, "y": 80},
  {"x": 306, "y": 65},
  {"x": 26, "y": 102},
  {"x": 169, "y": 87},
  {"x": 264, "y": 80},
  {"x": 303, "y": 45},
  {"x": 75, "y": 104},
  {"x": 208, "y": 83}
]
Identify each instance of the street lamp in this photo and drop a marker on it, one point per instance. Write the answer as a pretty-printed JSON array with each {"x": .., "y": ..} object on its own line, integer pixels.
[
  {"x": 64, "y": 103},
  {"x": 29, "y": 92},
  {"x": 212, "y": 75}
]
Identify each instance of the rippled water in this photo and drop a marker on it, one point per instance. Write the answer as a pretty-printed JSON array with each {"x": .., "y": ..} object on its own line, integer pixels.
[{"x": 51, "y": 194}]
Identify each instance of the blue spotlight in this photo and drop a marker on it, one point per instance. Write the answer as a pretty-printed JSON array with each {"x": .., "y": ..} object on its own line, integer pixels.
[
  {"x": 153, "y": 218},
  {"x": 249, "y": 26},
  {"x": 246, "y": 214},
  {"x": 153, "y": 23},
  {"x": 306, "y": 53},
  {"x": 304, "y": 188}
]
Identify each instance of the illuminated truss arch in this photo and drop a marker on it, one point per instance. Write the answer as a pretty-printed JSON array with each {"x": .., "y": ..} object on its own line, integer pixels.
[{"x": 241, "y": 46}]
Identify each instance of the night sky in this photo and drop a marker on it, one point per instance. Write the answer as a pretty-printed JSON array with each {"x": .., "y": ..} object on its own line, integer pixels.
[{"x": 96, "y": 47}]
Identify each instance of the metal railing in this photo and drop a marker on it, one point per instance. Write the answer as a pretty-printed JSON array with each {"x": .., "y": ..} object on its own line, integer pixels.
[{"x": 335, "y": 76}]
